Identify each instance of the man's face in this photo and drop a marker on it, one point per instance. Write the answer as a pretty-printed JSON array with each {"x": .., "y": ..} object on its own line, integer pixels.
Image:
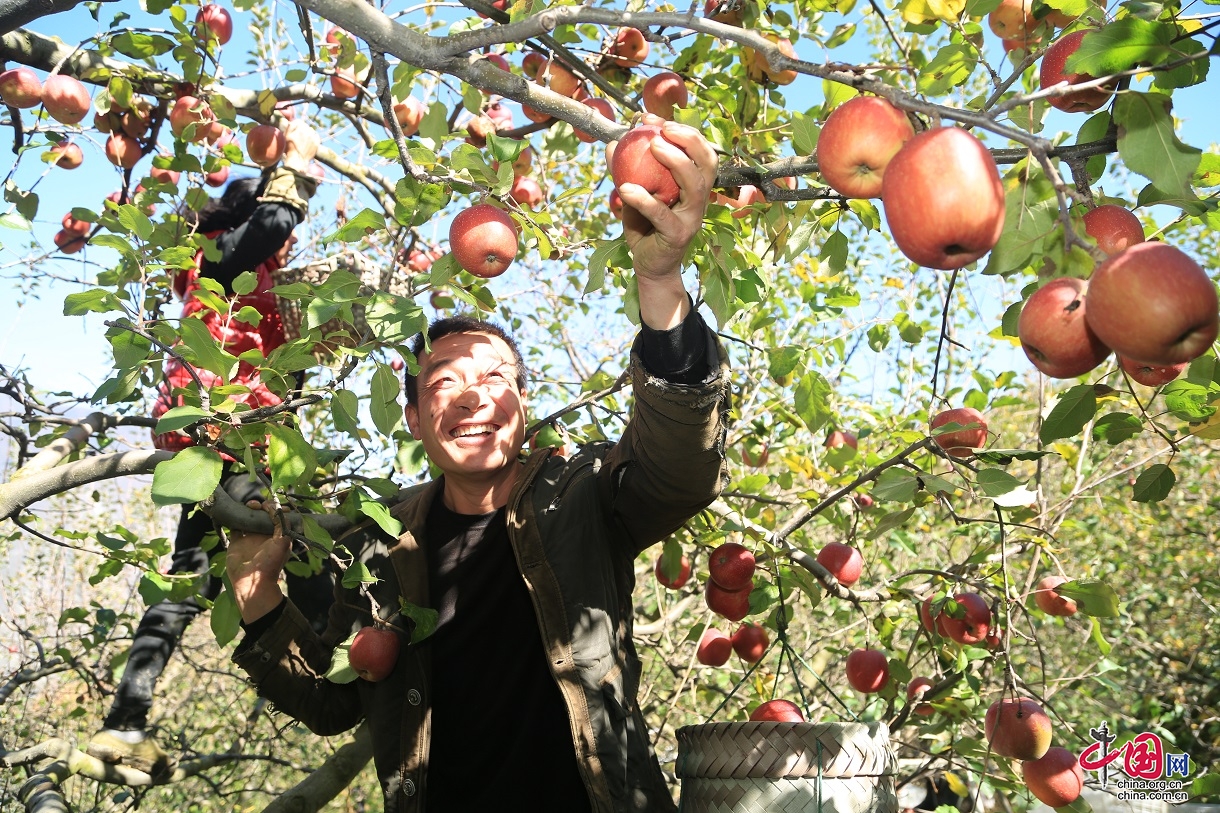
[{"x": 468, "y": 413}]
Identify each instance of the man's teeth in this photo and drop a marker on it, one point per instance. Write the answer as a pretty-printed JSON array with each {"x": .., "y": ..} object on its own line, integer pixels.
[{"x": 467, "y": 431}]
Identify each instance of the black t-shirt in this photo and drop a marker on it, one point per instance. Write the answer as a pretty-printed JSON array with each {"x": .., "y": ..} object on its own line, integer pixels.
[{"x": 500, "y": 729}]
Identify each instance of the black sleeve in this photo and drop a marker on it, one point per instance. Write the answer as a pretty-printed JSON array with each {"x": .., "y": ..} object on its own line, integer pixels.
[
  {"x": 247, "y": 246},
  {"x": 681, "y": 354},
  {"x": 255, "y": 629}
]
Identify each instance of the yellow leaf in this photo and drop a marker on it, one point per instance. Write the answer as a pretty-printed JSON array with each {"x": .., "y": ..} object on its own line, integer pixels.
[
  {"x": 1209, "y": 429},
  {"x": 956, "y": 784},
  {"x": 947, "y": 9},
  {"x": 918, "y": 12}
]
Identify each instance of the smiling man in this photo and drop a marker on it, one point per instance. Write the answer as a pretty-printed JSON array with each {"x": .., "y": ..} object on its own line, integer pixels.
[{"x": 524, "y": 695}]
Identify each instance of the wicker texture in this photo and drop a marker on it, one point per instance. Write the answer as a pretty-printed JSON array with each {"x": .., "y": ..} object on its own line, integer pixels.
[
  {"x": 822, "y": 767},
  {"x": 373, "y": 277}
]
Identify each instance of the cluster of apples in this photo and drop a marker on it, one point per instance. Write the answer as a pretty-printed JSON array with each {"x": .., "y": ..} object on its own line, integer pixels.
[
  {"x": 730, "y": 580},
  {"x": 1020, "y": 729},
  {"x": 750, "y": 642}
]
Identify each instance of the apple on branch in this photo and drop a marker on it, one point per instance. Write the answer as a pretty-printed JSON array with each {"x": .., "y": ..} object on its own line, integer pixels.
[
  {"x": 857, "y": 142},
  {"x": 65, "y": 99},
  {"x": 1017, "y": 728},
  {"x": 373, "y": 652},
  {"x": 868, "y": 670},
  {"x": 483, "y": 240},
  {"x": 1054, "y": 332},
  {"x": 714, "y": 648},
  {"x": 19, "y": 87},
  {"x": 960, "y": 442},
  {"x": 1055, "y": 778},
  {"x": 633, "y": 162},
  {"x": 1054, "y": 71},
  {"x": 1113, "y": 227}
]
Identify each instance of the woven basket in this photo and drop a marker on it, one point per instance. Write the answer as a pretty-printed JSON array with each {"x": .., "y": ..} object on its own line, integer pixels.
[
  {"x": 336, "y": 331},
  {"x": 772, "y": 767}
]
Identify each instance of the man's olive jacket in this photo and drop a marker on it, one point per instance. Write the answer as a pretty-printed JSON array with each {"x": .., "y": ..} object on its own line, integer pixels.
[{"x": 576, "y": 527}]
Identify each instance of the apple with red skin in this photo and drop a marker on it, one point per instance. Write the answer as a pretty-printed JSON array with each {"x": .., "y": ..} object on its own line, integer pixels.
[
  {"x": 843, "y": 561},
  {"x": 343, "y": 84},
  {"x": 217, "y": 20},
  {"x": 397, "y": 365},
  {"x": 759, "y": 68},
  {"x": 123, "y": 150},
  {"x": 138, "y": 119},
  {"x": 868, "y": 670},
  {"x": 732, "y": 604},
  {"x": 728, "y": 16},
  {"x": 164, "y": 174},
  {"x": 500, "y": 115},
  {"x": 560, "y": 79},
  {"x": 1013, "y": 20},
  {"x": 777, "y": 711},
  {"x": 975, "y": 621},
  {"x": 217, "y": 177},
  {"x": 499, "y": 61},
  {"x": 615, "y": 202},
  {"x": 630, "y": 47},
  {"x": 960, "y": 442},
  {"x": 188, "y": 111},
  {"x": 1149, "y": 375},
  {"x": 714, "y": 648},
  {"x": 19, "y": 87},
  {"x": 74, "y": 226},
  {"x": 944, "y": 202},
  {"x": 409, "y": 113},
  {"x": 68, "y": 242},
  {"x": 526, "y": 192},
  {"x": 1052, "y": 72},
  {"x": 731, "y": 566},
  {"x": 373, "y": 653},
  {"x": 1055, "y": 778},
  {"x": 1113, "y": 227},
  {"x": 858, "y": 141},
  {"x": 603, "y": 109},
  {"x": 532, "y": 63},
  {"x": 1050, "y": 601},
  {"x": 265, "y": 144},
  {"x": 1017, "y": 728},
  {"x": 663, "y": 93},
  {"x": 1153, "y": 304},
  {"x": 840, "y": 437},
  {"x": 536, "y": 116},
  {"x": 1054, "y": 333},
  {"x": 747, "y": 196},
  {"x": 915, "y": 691},
  {"x": 419, "y": 261},
  {"x": 864, "y": 501},
  {"x": 523, "y": 162},
  {"x": 679, "y": 580},
  {"x": 932, "y": 623},
  {"x": 995, "y": 637},
  {"x": 65, "y": 99},
  {"x": 484, "y": 240},
  {"x": 633, "y": 162},
  {"x": 67, "y": 155},
  {"x": 218, "y": 136},
  {"x": 750, "y": 642}
]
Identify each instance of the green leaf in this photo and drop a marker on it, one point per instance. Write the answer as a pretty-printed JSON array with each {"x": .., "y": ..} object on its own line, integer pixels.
[
  {"x": 597, "y": 263},
  {"x": 202, "y": 350},
  {"x": 225, "y": 618},
  {"x": 380, "y": 514},
  {"x": 1154, "y": 483},
  {"x": 383, "y": 400},
  {"x": 189, "y": 476},
  {"x": 129, "y": 348},
  {"x": 1206, "y": 786},
  {"x": 996, "y": 482},
  {"x": 1187, "y": 400},
  {"x": 1075, "y": 408},
  {"x": 357, "y": 573},
  {"x": 95, "y": 300},
  {"x": 291, "y": 459},
  {"x": 950, "y": 68},
  {"x": 834, "y": 252},
  {"x": 141, "y": 46},
  {"x": 1092, "y": 596},
  {"x": 1148, "y": 144},
  {"x": 805, "y": 132},
  {"x": 154, "y": 588},
  {"x": 394, "y": 319},
  {"x": 245, "y": 283},
  {"x": 781, "y": 361},
  {"x": 359, "y": 227},
  {"x": 344, "y": 411},
  {"x": 892, "y": 520},
  {"x": 1102, "y": 644},
  {"x": 179, "y": 417},
  {"x": 812, "y": 401},
  {"x": 1117, "y": 427},
  {"x": 1121, "y": 45},
  {"x": 340, "y": 669},
  {"x": 25, "y": 201},
  {"x": 135, "y": 221},
  {"x": 423, "y": 618},
  {"x": 443, "y": 270},
  {"x": 896, "y": 484}
]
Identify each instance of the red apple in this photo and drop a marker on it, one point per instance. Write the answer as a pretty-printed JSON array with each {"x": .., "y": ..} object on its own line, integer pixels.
[
  {"x": 536, "y": 116},
  {"x": 758, "y": 67},
  {"x": 732, "y": 604},
  {"x": 1050, "y": 601},
  {"x": 868, "y": 670},
  {"x": 944, "y": 202},
  {"x": 409, "y": 112},
  {"x": 484, "y": 240},
  {"x": 747, "y": 196},
  {"x": 74, "y": 226},
  {"x": 67, "y": 155},
  {"x": 164, "y": 175},
  {"x": 633, "y": 162},
  {"x": 664, "y": 92},
  {"x": 1055, "y": 778},
  {"x": 1017, "y": 728},
  {"x": 731, "y": 566},
  {"x": 138, "y": 119},
  {"x": 615, "y": 202},
  {"x": 932, "y": 623},
  {"x": 373, "y": 653},
  {"x": 1149, "y": 375},
  {"x": 1153, "y": 304},
  {"x": 1054, "y": 333},
  {"x": 123, "y": 150},
  {"x": 188, "y": 111},
  {"x": 19, "y": 87},
  {"x": 603, "y": 109},
  {"x": 560, "y": 79},
  {"x": 840, "y": 437},
  {"x": 843, "y": 561},
  {"x": 523, "y": 162},
  {"x": 750, "y": 642},
  {"x": 858, "y": 141},
  {"x": 680, "y": 578},
  {"x": 1052, "y": 73},
  {"x": 777, "y": 711},
  {"x": 1113, "y": 227},
  {"x": 864, "y": 501},
  {"x": 961, "y": 442},
  {"x": 66, "y": 100},
  {"x": 630, "y": 48},
  {"x": 217, "y": 177},
  {"x": 532, "y": 63},
  {"x": 915, "y": 691},
  {"x": 218, "y": 136},
  {"x": 343, "y": 84},
  {"x": 973, "y": 621},
  {"x": 723, "y": 11},
  {"x": 68, "y": 242},
  {"x": 478, "y": 129},
  {"x": 500, "y": 62},
  {"x": 217, "y": 21},
  {"x": 1014, "y": 20},
  {"x": 714, "y": 648},
  {"x": 265, "y": 144},
  {"x": 500, "y": 116},
  {"x": 419, "y": 261}
]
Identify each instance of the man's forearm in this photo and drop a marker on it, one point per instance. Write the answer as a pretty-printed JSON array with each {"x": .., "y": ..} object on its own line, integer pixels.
[{"x": 663, "y": 301}]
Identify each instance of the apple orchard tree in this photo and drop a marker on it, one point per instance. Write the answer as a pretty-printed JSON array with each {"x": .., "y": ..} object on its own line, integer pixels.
[{"x": 855, "y": 325}]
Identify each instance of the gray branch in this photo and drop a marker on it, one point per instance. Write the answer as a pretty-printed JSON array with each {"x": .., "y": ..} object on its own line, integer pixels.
[
  {"x": 16, "y": 13},
  {"x": 17, "y": 495},
  {"x": 327, "y": 781}
]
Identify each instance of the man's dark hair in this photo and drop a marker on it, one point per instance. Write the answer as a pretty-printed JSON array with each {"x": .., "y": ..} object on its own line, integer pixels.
[
  {"x": 462, "y": 323},
  {"x": 231, "y": 209}
]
